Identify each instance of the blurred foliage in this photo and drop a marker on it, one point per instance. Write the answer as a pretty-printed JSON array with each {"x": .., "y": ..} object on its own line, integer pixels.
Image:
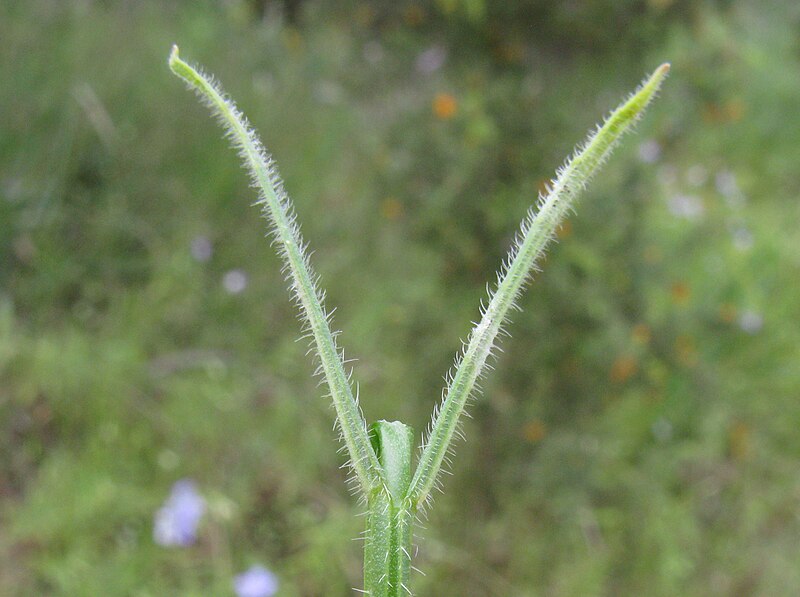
[{"x": 639, "y": 434}]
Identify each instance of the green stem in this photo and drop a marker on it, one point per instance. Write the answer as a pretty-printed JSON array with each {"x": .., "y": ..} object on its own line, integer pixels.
[
  {"x": 278, "y": 210},
  {"x": 381, "y": 458},
  {"x": 390, "y": 515},
  {"x": 537, "y": 230}
]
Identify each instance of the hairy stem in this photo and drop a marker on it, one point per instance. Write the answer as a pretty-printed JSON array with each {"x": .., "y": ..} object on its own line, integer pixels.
[
  {"x": 381, "y": 458},
  {"x": 387, "y": 547},
  {"x": 277, "y": 209},
  {"x": 536, "y": 231}
]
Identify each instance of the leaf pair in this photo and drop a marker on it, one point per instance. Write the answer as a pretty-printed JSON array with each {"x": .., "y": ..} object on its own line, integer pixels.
[{"x": 381, "y": 457}]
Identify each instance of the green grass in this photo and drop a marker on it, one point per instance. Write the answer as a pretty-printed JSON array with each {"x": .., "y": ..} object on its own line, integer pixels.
[{"x": 643, "y": 442}]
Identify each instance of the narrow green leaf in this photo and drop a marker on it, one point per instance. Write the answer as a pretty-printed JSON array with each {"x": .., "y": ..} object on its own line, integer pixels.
[
  {"x": 536, "y": 231},
  {"x": 277, "y": 209}
]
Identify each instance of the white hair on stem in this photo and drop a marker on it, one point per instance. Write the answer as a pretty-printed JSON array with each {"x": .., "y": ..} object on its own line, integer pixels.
[
  {"x": 393, "y": 510},
  {"x": 534, "y": 235},
  {"x": 285, "y": 234}
]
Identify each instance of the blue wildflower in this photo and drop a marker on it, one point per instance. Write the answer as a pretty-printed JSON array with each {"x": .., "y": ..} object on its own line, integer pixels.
[
  {"x": 256, "y": 582},
  {"x": 176, "y": 521}
]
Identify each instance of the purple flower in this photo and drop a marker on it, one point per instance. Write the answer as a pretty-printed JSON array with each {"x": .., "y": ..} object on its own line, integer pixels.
[
  {"x": 256, "y": 582},
  {"x": 202, "y": 249},
  {"x": 689, "y": 207},
  {"x": 176, "y": 521},
  {"x": 431, "y": 60}
]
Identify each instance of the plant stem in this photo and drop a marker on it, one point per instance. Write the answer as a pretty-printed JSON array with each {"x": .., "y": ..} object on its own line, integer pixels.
[
  {"x": 381, "y": 457},
  {"x": 277, "y": 209},
  {"x": 535, "y": 233},
  {"x": 390, "y": 515}
]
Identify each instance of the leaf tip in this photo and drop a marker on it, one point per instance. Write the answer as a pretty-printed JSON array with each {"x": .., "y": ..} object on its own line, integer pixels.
[{"x": 180, "y": 68}]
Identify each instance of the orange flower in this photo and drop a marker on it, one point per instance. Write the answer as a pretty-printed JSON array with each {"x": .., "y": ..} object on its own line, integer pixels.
[
  {"x": 623, "y": 369},
  {"x": 731, "y": 111},
  {"x": 680, "y": 292},
  {"x": 534, "y": 430},
  {"x": 414, "y": 15},
  {"x": 444, "y": 106},
  {"x": 735, "y": 109}
]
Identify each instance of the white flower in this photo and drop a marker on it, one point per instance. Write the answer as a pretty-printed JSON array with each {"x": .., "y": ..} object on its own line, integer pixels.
[
  {"x": 689, "y": 207},
  {"x": 234, "y": 281},
  {"x": 751, "y": 321},
  {"x": 649, "y": 151}
]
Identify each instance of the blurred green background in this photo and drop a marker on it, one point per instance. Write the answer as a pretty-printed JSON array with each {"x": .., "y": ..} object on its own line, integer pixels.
[{"x": 641, "y": 432}]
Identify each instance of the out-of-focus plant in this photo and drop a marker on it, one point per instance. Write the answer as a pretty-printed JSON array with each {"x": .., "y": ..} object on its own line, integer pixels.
[
  {"x": 475, "y": 10},
  {"x": 380, "y": 455}
]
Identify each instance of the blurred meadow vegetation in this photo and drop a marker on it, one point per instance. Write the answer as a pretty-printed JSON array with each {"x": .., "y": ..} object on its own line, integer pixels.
[{"x": 641, "y": 432}]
